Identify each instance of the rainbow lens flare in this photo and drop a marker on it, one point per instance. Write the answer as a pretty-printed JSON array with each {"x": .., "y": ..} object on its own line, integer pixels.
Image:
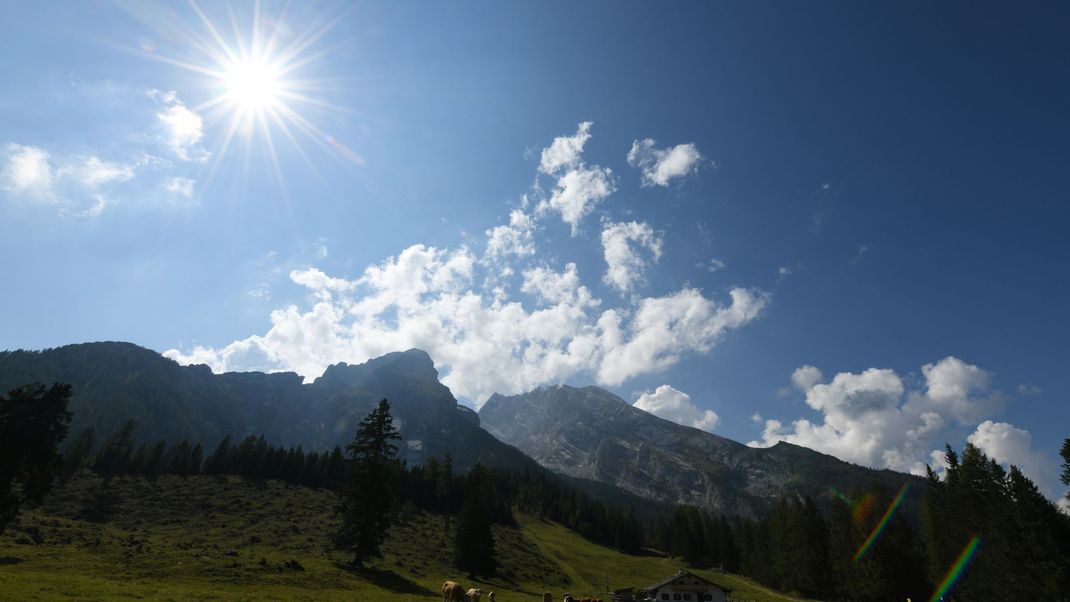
[
  {"x": 957, "y": 568},
  {"x": 883, "y": 523}
]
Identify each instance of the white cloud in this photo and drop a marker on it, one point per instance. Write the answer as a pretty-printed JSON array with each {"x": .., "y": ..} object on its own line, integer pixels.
[
  {"x": 577, "y": 192},
  {"x": 958, "y": 390},
  {"x": 805, "y": 377},
  {"x": 1008, "y": 444},
  {"x": 665, "y": 327},
  {"x": 676, "y": 406},
  {"x": 27, "y": 170},
  {"x": 871, "y": 418},
  {"x": 260, "y": 292},
  {"x": 452, "y": 304},
  {"x": 579, "y": 187},
  {"x": 515, "y": 238},
  {"x": 756, "y": 418},
  {"x": 484, "y": 344},
  {"x": 715, "y": 265},
  {"x": 183, "y": 128},
  {"x": 565, "y": 151},
  {"x": 621, "y": 242},
  {"x": 93, "y": 172},
  {"x": 321, "y": 284},
  {"x": 554, "y": 288},
  {"x": 94, "y": 210},
  {"x": 180, "y": 186},
  {"x": 659, "y": 166}
]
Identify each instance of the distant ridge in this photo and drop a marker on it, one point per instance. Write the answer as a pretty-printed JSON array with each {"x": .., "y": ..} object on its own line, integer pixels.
[{"x": 590, "y": 433}]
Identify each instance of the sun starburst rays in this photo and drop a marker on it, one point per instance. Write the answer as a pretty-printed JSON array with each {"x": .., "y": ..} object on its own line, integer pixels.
[{"x": 251, "y": 70}]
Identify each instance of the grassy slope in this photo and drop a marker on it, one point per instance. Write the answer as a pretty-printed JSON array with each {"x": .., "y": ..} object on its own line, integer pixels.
[{"x": 211, "y": 538}]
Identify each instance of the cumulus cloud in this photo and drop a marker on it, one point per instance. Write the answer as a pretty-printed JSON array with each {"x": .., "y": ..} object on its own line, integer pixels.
[
  {"x": 565, "y": 151},
  {"x": 659, "y": 166},
  {"x": 27, "y": 170},
  {"x": 665, "y": 327},
  {"x": 621, "y": 246},
  {"x": 424, "y": 298},
  {"x": 805, "y": 377},
  {"x": 515, "y": 238},
  {"x": 554, "y": 288},
  {"x": 871, "y": 418},
  {"x": 578, "y": 192},
  {"x": 1008, "y": 444},
  {"x": 676, "y": 406},
  {"x": 452, "y": 304},
  {"x": 579, "y": 187},
  {"x": 183, "y": 128},
  {"x": 958, "y": 390}
]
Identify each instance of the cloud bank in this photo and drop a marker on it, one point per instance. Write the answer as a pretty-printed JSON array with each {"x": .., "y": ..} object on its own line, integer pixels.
[
  {"x": 875, "y": 419},
  {"x": 503, "y": 320}
]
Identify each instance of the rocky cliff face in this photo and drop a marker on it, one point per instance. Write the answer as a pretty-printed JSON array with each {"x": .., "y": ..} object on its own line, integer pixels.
[{"x": 591, "y": 433}]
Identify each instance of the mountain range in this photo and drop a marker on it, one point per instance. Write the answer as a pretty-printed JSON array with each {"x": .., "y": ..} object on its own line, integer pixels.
[{"x": 595, "y": 439}]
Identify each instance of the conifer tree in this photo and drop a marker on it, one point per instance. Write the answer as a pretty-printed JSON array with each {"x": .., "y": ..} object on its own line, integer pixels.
[
  {"x": 114, "y": 456},
  {"x": 367, "y": 495},
  {"x": 1065, "y": 475},
  {"x": 33, "y": 422},
  {"x": 473, "y": 550},
  {"x": 78, "y": 452}
]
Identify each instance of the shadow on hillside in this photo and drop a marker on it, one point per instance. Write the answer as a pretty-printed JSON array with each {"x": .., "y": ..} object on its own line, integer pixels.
[
  {"x": 9, "y": 560},
  {"x": 387, "y": 580},
  {"x": 101, "y": 506}
]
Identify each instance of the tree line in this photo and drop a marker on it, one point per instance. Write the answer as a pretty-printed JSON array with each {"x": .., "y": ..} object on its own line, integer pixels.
[
  {"x": 987, "y": 531},
  {"x": 252, "y": 457},
  {"x": 859, "y": 547}
]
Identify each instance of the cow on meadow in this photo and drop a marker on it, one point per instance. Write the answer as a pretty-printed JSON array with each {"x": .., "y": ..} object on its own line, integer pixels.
[
  {"x": 473, "y": 594},
  {"x": 452, "y": 592}
]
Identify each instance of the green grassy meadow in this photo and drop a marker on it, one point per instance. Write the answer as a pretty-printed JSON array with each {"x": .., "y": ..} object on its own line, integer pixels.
[{"x": 227, "y": 538}]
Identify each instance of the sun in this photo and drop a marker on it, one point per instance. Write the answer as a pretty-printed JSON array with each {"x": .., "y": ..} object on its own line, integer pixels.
[
  {"x": 256, "y": 93},
  {"x": 253, "y": 85}
]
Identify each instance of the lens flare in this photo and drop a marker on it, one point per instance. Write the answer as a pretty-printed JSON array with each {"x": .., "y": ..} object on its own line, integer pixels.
[
  {"x": 957, "y": 568},
  {"x": 882, "y": 523}
]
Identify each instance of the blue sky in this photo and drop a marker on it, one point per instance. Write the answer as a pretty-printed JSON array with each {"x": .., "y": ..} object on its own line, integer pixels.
[{"x": 877, "y": 193}]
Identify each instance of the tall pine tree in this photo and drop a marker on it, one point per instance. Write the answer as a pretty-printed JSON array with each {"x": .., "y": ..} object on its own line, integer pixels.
[
  {"x": 367, "y": 495},
  {"x": 33, "y": 422},
  {"x": 473, "y": 549}
]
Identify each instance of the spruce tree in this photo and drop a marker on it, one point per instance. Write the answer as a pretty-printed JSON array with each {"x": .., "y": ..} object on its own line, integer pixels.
[
  {"x": 77, "y": 454},
  {"x": 473, "y": 550},
  {"x": 1065, "y": 475},
  {"x": 367, "y": 495},
  {"x": 33, "y": 422},
  {"x": 114, "y": 457}
]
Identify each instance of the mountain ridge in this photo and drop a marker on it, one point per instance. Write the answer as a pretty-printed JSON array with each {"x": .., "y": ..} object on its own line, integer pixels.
[
  {"x": 117, "y": 381},
  {"x": 588, "y": 432}
]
